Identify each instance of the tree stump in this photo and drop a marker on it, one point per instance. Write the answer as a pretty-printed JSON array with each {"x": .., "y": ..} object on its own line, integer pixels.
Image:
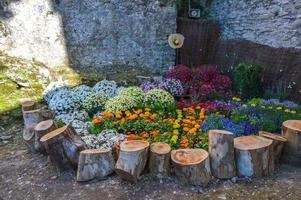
[
  {"x": 192, "y": 166},
  {"x": 63, "y": 146},
  {"x": 291, "y": 130},
  {"x": 132, "y": 159},
  {"x": 31, "y": 119},
  {"x": 95, "y": 163},
  {"x": 278, "y": 144},
  {"x": 221, "y": 153},
  {"x": 159, "y": 159},
  {"x": 254, "y": 156},
  {"x": 42, "y": 129}
]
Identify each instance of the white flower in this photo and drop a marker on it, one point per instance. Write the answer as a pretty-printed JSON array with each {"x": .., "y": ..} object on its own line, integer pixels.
[
  {"x": 82, "y": 92},
  {"x": 64, "y": 101},
  {"x": 110, "y": 88}
]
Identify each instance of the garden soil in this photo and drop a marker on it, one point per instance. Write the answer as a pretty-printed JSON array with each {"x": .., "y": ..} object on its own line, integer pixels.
[{"x": 30, "y": 176}]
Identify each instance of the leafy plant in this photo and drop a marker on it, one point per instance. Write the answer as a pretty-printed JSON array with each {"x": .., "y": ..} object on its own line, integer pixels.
[{"x": 247, "y": 79}]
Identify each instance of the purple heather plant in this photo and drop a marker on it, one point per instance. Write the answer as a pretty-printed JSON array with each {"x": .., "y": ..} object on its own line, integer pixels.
[{"x": 173, "y": 86}]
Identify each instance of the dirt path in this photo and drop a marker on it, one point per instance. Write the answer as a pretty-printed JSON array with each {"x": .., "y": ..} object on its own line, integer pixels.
[{"x": 25, "y": 176}]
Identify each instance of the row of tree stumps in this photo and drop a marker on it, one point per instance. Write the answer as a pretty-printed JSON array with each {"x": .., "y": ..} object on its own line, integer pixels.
[{"x": 247, "y": 156}]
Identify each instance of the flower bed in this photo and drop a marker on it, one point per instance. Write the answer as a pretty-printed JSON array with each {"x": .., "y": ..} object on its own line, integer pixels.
[{"x": 150, "y": 112}]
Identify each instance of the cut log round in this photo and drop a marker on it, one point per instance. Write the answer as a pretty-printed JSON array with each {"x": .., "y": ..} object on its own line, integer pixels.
[
  {"x": 192, "y": 166},
  {"x": 63, "y": 146},
  {"x": 31, "y": 119},
  {"x": 42, "y": 129},
  {"x": 221, "y": 153},
  {"x": 159, "y": 159},
  {"x": 278, "y": 144},
  {"x": 95, "y": 163},
  {"x": 254, "y": 156},
  {"x": 28, "y": 105},
  {"x": 291, "y": 130},
  {"x": 132, "y": 159}
]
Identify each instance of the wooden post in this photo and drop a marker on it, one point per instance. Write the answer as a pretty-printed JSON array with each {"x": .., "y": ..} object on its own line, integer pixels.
[
  {"x": 191, "y": 166},
  {"x": 159, "y": 160},
  {"x": 132, "y": 159},
  {"x": 221, "y": 153},
  {"x": 291, "y": 130},
  {"x": 278, "y": 144},
  {"x": 95, "y": 163},
  {"x": 63, "y": 146},
  {"x": 42, "y": 129},
  {"x": 254, "y": 156}
]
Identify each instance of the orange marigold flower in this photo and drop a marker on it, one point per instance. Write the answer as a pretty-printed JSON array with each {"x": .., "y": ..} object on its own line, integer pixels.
[
  {"x": 197, "y": 126},
  {"x": 187, "y": 121},
  {"x": 138, "y": 111},
  {"x": 186, "y": 129},
  {"x": 134, "y": 116},
  {"x": 97, "y": 120},
  {"x": 132, "y": 137},
  {"x": 192, "y": 131},
  {"x": 153, "y": 116},
  {"x": 155, "y": 133},
  {"x": 146, "y": 114},
  {"x": 122, "y": 121}
]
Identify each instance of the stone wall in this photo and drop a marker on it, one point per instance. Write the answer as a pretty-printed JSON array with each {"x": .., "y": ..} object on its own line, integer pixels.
[
  {"x": 90, "y": 35},
  {"x": 275, "y": 23}
]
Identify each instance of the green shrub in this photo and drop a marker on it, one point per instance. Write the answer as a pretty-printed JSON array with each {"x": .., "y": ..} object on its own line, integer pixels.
[
  {"x": 135, "y": 93},
  {"x": 120, "y": 103},
  {"x": 95, "y": 102},
  {"x": 159, "y": 99},
  {"x": 247, "y": 79}
]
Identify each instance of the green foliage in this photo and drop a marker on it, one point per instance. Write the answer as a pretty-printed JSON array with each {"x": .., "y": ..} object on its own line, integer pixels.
[
  {"x": 59, "y": 123},
  {"x": 120, "y": 103},
  {"x": 247, "y": 79},
  {"x": 279, "y": 91}
]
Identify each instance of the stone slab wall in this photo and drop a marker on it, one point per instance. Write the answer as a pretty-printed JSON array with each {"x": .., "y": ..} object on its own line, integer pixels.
[
  {"x": 276, "y": 23},
  {"x": 90, "y": 35}
]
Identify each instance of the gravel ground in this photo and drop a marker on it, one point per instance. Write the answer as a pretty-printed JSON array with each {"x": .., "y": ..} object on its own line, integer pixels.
[{"x": 30, "y": 176}]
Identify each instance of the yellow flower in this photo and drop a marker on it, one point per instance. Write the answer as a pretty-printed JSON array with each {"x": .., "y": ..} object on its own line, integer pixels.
[
  {"x": 176, "y": 132},
  {"x": 147, "y": 109},
  {"x": 279, "y": 108},
  {"x": 244, "y": 105},
  {"x": 253, "y": 105},
  {"x": 263, "y": 107},
  {"x": 293, "y": 112},
  {"x": 270, "y": 107},
  {"x": 174, "y": 139},
  {"x": 236, "y": 99},
  {"x": 287, "y": 110},
  {"x": 176, "y": 125}
]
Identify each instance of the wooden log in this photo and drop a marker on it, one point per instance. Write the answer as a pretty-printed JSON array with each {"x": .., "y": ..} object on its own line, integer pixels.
[
  {"x": 278, "y": 144},
  {"x": 221, "y": 153},
  {"x": 291, "y": 130},
  {"x": 132, "y": 159},
  {"x": 192, "y": 166},
  {"x": 42, "y": 129},
  {"x": 28, "y": 105},
  {"x": 31, "y": 119},
  {"x": 254, "y": 156},
  {"x": 159, "y": 159},
  {"x": 63, "y": 146},
  {"x": 95, "y": 163}
]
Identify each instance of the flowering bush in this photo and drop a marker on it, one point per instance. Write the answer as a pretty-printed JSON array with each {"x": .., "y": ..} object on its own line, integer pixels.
[
  {"x": 64, "y": 101},
  {"x": 95, "y": 102},
  {"x": 53, "y": 88},
  {"x": 173, "y": 86},
  {"x": 180, "y": 72},
  {"x": 82, "y": 92},
  {"x": 120, "y": 103},
  {"x": 277, "y": 102},
  {"x": 106, "y": 139},
  {"x": 238, "y": 129},
  {"x": 110, "y": 88},
  {"x": 203, "y": 82},
  {"x": 159, "y": 99},
  {"x": 134, "y": 93}
]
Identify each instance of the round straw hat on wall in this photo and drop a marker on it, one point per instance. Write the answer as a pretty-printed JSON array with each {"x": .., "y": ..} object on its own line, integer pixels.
[{"x": 176, "y": 40}]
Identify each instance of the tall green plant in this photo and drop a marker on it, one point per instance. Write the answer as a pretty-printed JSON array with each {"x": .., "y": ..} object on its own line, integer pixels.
[{"x": 247, "y": 79}]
